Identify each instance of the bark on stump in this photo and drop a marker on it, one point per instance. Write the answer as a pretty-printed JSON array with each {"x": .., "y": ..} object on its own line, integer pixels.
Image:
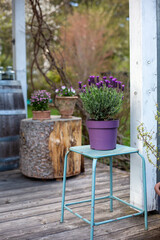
[{"x": 43, "y": 145}]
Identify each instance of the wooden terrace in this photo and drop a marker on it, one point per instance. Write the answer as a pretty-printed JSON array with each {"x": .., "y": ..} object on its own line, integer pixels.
[{"x": 30, "y": 208}]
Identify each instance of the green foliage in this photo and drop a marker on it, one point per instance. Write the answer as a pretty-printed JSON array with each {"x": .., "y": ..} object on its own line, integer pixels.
[
  {"x": 54, "y": 76},
  {"x": 101, "y": 103},
  {"x": 5, "y": 33},
  {"x": 146, "y": 137}
]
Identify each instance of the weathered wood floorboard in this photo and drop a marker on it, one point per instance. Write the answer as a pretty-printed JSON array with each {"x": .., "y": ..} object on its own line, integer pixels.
[
  {"x": 30, "y": 209},
  {"x": 54, "y": 186}
]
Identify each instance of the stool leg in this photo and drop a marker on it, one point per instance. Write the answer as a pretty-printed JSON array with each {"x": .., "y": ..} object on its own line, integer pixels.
[
  {"x": 93, "y": 197},
  {"x": 64, "y": 186},
  {"x": 144, "y": 191},
  {"x": 111, "y": 186}
]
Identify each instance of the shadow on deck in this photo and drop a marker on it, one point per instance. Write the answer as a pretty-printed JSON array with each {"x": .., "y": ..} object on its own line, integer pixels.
[{"x": 30, "y": 208}]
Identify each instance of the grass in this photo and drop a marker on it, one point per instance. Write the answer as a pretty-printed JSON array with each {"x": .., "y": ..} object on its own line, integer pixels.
[{"x": 54, "y": 111}]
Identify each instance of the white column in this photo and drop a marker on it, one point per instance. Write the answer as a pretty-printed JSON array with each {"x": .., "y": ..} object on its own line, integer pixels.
[
  {"x": 143, "y": 77},
  {"x": 19, "y": 44}
]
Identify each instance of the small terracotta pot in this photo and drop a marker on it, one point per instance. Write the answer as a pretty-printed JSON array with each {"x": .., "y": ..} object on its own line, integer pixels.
[
  {"x": 41, "y": 115},
  {"x": 157, "y": 188},
  {"x": 66, "y": 105}
]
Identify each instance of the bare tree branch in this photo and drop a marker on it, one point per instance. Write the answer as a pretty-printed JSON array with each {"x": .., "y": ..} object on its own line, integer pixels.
[{"x": 43, "y": 40}]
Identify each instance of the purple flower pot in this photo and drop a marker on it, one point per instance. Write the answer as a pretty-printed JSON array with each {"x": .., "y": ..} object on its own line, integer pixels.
[{"x": 102, "y": 134}]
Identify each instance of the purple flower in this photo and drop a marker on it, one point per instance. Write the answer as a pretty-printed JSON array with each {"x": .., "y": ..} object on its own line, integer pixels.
[
  {"x": 40, "y": 99},
  {"x": 80, "y": 85},
  {"x": 89, "y": 82},
  {"x": 111, "y": 77},
  {"x": 123, "y": 87},
  {"x": 104, "y": 78},
  {"x": 107, "y": 82},
  {"x": 120, "y": 85},
  {"x": 84, "y": 86},
  {"x": 101, "y": 83},
  {"x": 115, "y": 84},
  {"x": 98, "y": 85},
  {"x": 93, "y": 81},
  {"x": 97, "y": 79}
]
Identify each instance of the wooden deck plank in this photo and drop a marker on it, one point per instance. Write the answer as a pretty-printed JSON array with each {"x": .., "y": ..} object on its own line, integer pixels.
[
  {"x": 154, "y": 235},
  {"x": 51, "y": 226},
  {"x": 30, "y": 209},
  {"x": 53, "y": 193},
  {"x": 18, "y": 205},
  {"x": 54, "y": 208},
  {"x": 79, "y": 231},
  {"x": 55, "y": 185}
]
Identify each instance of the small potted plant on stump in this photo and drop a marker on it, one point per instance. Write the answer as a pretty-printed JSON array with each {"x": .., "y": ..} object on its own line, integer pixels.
[
  {"x": 40, "y": 105},
  {"x": 102, "y": 100},
  {"x": 65, "y": 101}
]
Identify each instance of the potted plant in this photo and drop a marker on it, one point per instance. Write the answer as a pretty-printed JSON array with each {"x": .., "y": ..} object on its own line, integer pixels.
[
  {"x": 40, "y": 104},
  {"x": 65, "y": 101},
  {"x": 102, "y": 100}
]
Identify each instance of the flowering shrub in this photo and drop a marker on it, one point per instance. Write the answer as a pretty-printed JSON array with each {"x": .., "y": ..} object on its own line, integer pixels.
[
  {"x": 40, "y": 100},
  {"x": 64, "y": 91},
  {"x": 102, "y": 99}
]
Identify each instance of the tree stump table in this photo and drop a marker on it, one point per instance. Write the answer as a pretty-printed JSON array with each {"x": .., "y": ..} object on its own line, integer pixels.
[{"x": 43, "y": 145}]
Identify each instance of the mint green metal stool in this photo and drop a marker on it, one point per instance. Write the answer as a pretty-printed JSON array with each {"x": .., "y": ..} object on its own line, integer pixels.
[{"x": 94, "y": 154}]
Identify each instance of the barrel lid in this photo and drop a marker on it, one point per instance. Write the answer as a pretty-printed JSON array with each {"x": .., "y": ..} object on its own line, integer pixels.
[
  {"x": 12, "y": 112},
  {"x": 10, "y": 83}
]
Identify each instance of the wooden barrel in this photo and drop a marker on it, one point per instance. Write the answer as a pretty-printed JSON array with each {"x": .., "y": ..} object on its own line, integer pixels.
[{"x": 12, "y": 111}]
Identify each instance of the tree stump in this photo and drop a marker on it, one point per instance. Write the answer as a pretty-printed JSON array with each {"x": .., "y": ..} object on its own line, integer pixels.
[{"x": 43, "y": 145}]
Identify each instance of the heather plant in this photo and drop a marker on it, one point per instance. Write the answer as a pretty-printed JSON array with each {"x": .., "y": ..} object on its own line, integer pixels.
[
  {"x": 102, "y": 99},
  {"x": 40, "y": 100},
  {"x": 65, "y": 91}
]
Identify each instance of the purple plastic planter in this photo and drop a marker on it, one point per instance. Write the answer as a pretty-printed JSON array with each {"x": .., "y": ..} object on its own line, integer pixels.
[{"x": 102, "y": 134}]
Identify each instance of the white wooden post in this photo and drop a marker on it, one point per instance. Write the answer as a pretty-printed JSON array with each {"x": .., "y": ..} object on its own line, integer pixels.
[
  {"x": 158, "y": 84},
  {"x": 19, "y": 44},
  {"x": 143, "y": 76}
]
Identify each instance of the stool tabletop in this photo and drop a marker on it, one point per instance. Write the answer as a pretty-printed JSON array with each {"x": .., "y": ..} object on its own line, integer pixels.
[{"x": 91, "y": 153}]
